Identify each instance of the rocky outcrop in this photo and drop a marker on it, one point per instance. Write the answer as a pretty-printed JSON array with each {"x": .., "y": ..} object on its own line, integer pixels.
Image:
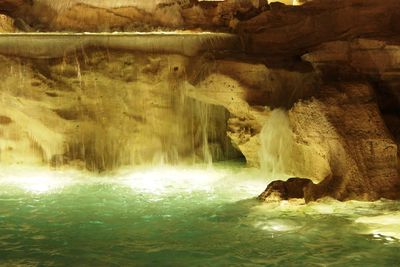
[
  {"x": 103, "y": 110},
  {"x": 314, "y": 93},
  {"x": 247, "y": 90},
  {"x": 292, "y": 30},
  {"x": 95, "y": 16},
  {"x": 337, "y": 133},
  {"x": 346, "y": 122},
  {"x": 344, "y": 125},
  {"x": 377, "y": 61},
  {"x": 308, "y": 25},
  {"x": 285, "y": 190}
]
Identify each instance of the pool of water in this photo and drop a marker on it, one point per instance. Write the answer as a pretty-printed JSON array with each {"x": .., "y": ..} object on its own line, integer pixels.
[{"x": 181, "y": 216}]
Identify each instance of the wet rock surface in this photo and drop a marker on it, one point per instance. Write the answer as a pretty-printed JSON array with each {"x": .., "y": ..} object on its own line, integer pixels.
[
  {"x": 106, "y": 110},
  {"x": 332, "y": 65},
  {"x": 285, "y": 190}
]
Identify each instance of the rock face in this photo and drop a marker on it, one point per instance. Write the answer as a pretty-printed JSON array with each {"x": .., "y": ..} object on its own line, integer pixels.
[
  {"x": 338, "y": 133},
  {"x": 294, "y": 29},
  {"x": 346, "y": 123},
  {"x": 314, "y": 93},
  {"x": 245, "y": 89},
  {"x": 345, "y": 127},
  {"x": 86, "y": 15},
  {"x": 375, "y": 60},
  {"x": 105, "y": 110},
  {"x": 353, "y": 155},
  {"x": 280, "y": 190}
]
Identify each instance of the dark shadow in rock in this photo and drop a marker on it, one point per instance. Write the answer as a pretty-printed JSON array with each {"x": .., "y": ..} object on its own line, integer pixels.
[
  {"x": 5, "y": 120},
  {"x": 331, "y": 186}
]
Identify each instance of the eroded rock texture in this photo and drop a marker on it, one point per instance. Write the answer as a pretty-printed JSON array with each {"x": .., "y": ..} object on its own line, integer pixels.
[
  {"x": 292, "y": 30},
  {"x": 106, "y": 110},
  {"x": 87, "y": 15},
  {"x": 351, "y": 123},
  {"x": 345, "y": 127},
  {"x": 285, "y": 190},
  {"x": 246, "y": 90},
  {"x": 376, "y": 60},
  {"x": 327, "y": 70}
]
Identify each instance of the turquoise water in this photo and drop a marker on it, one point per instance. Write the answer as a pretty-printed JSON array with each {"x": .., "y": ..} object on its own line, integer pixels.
[{"x": 170, "y": 216}]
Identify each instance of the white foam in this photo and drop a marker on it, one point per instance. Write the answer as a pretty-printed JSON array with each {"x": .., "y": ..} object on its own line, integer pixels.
[{"x": 387, "y": 225}]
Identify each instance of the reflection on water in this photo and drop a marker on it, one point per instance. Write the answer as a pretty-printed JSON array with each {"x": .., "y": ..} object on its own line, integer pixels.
[{"x": 180, "y": 216}]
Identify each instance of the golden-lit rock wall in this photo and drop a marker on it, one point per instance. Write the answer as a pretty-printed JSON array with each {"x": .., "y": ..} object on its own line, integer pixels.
[
  {"x": 332, "y": 65},
  {"x": 339, "y": 132},
  {"x": 344, "y": 126},
  {"x": 105, "y": 110},
  {"x": 86, "y": 15}
]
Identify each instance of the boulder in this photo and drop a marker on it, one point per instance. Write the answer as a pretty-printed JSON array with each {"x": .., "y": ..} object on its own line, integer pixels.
[{"x": 285, "y": 190}]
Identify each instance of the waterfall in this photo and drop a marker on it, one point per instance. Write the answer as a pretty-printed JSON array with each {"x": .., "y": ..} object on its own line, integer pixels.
[
  {"x": 103, "y": 109},
  {"x": 110, "y": 99},
  {"x": 277, "y": 146}
]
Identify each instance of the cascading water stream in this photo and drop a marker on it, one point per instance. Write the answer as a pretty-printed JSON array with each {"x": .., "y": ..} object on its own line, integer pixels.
[
  {"x": 277, "y": 146},
  {"x": 117, "y": 107}
]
